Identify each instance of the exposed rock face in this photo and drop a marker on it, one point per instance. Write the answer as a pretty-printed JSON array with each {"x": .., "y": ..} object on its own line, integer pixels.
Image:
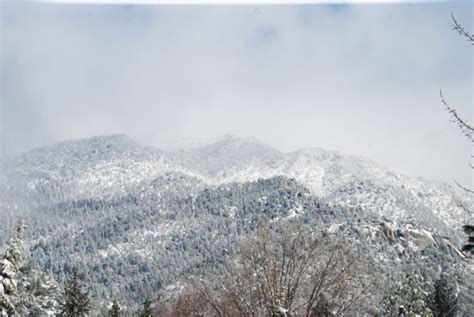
[
  {"x": 389, "y": 230},
  {"x": 420, "y": 238}
]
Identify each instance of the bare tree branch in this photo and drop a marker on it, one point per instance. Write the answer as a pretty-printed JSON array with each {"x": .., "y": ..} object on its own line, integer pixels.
[
  {"x": 465, "y": 127},
  {"x": 468, "y": 190},
  {"x": 285, "y": 271},
  {"x": 460, "y": 29}
]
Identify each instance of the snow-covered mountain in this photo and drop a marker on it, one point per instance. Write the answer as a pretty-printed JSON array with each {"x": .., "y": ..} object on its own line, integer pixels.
[
  {"x": 135, "y": 219},
  {"x": 111, "y": 166}
]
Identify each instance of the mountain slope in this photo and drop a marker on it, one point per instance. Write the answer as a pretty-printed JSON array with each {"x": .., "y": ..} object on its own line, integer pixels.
[
  {"x": 136, "y": 220},
  {"x": 111, "y": 166}
]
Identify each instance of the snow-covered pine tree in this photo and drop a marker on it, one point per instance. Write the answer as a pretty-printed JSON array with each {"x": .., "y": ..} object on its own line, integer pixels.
[
  {"x": 9, "y": 268},
  {"x": 147, "y": 311},
  {"x": 417, "y": 297},
  {"x": 443, "y": 302},
  {"x": 469, "y": 245},
  {"x": 114, "y": 310},
  {"x": 75, "y": 300},
  {"x": 38, "y": 292}
]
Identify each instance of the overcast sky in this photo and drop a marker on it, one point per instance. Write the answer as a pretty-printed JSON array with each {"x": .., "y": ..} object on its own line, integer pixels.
[{"x": 361, "y": 79}]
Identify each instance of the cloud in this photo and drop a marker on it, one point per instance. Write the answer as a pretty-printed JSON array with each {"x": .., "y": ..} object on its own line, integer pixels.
[{"x": 362, "y": 79}]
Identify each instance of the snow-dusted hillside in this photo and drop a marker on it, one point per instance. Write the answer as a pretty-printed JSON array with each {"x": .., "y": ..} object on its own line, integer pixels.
[
  {"x": 111, "y": 166},
  {"x": 342, "y": 179}
]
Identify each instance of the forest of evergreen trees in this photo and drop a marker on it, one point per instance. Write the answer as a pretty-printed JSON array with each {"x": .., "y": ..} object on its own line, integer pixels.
[{"x": 284, "y": 269}]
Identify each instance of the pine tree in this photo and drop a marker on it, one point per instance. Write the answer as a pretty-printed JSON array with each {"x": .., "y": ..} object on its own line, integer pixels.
[
  {"x": 9, "y": 268},
  {"x": 417, "y": 296},
  {"x": 75, "y": 301},
  {"x": 38, "y": 292},
  {"x": 469, "y": 246},
  {"x": 114, "y": 310},
  {"x": 443, "y": 301},
  {"x": 147, "y": 310}
]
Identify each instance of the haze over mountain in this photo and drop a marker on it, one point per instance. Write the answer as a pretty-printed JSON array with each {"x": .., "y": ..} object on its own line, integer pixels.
[{"x": 293, "y": 75}]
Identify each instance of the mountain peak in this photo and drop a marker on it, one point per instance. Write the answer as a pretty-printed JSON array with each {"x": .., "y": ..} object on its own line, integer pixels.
[
  {"x": 236, "y": 141},
  {"x": 115, "y": 139}
]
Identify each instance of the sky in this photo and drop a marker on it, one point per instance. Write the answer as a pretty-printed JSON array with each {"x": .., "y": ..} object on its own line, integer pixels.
[{"x": 362, "y": 79}]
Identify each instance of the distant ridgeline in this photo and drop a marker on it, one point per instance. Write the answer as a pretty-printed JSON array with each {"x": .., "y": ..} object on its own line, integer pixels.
[{"x": 136, "y": 221}]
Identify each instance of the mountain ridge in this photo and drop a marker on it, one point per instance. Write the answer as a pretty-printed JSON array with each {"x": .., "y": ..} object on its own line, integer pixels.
[{"x": 114, "y": 164}]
